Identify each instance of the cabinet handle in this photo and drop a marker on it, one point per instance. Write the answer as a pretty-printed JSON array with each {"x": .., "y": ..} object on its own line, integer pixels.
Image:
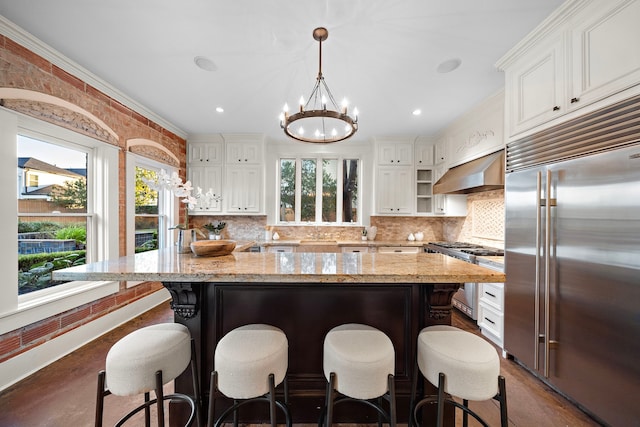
[
  {"x": 556, "y": 108},
  {"x": 490, "y": 294},
  {"x": 490, "y": 321},
  {"x": 245, "y": 160},
  {"x": 391, "y": 161},
  {"x": 574, "y": 100}
]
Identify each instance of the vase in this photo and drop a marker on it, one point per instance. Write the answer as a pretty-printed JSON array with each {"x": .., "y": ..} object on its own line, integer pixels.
[{"x": 185, "y": 237}]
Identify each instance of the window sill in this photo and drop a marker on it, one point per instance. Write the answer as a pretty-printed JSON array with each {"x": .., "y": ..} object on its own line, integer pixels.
[{"x": 41, "y": 305}]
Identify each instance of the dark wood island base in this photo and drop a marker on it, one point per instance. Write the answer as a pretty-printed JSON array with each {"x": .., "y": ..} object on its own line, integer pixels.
[{"x": 306, "y": 312}]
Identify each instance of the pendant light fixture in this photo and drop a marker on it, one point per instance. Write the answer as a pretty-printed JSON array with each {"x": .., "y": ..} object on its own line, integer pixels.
[{"x": 319, "y": 119}]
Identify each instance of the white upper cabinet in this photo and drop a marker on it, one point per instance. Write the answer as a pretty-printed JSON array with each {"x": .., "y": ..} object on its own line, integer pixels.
[
  {"x": 206, "y": 178},
  {"x": 244, "y": 152},
  {"x": 535, "y": 86},
  {"x": 243, "y": 189},
  {"x": 605, "y": 47},
  {"x": 424, "y": 153},
  {"x": 394, "y": 193},
  {"x": 204, "y": 153},
  {"x": 395, "y": 153},
  {"x": 584, "y": 55}
]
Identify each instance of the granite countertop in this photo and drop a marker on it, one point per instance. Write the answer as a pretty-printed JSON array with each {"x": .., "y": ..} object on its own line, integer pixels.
[
  {"x": 368, "y": 243},
  {"x": 169, "y": 266}
]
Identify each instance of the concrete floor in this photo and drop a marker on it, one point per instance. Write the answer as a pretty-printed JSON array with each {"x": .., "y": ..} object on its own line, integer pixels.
[{"x": 63, "y": 394}]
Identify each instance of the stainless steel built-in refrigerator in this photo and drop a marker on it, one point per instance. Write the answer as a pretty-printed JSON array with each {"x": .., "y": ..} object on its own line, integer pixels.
[{"x": 572, "y": 247}]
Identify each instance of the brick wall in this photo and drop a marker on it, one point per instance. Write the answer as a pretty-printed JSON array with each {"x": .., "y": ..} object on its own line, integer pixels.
[{"x": 22, "y": 69}]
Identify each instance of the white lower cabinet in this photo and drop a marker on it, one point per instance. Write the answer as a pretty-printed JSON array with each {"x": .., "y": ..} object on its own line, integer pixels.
[{"x": 491, "y": 312}]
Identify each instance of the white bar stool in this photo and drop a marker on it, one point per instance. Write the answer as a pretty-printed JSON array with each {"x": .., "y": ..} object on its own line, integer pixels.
[
  {"x": 359, "y": 363},
  {"x": 460, "y": 364},
  {"x": 249, "y": 363},
  {"x": 145, "y": 360}
]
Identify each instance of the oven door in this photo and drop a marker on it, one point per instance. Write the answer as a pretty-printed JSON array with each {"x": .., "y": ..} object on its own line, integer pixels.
[{"x": 466, "y": 300}]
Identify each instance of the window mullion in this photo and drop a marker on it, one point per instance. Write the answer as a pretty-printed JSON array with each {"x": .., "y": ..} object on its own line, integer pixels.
[
  {"x": 339, "y": 187},
  {"x": 298, "y": 197},
  {"x": 319, "y": 189}
]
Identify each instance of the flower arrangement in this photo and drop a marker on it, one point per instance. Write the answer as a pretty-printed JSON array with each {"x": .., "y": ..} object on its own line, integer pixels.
[
  {"x": 181, "y": 190},
  {"x": 215, "y": 227}
]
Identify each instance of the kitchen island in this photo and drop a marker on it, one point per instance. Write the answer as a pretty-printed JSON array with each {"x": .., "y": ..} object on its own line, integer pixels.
[{"x": 304, "y": 294}]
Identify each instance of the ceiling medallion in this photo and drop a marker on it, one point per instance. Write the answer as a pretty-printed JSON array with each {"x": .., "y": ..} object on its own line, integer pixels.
[{"x": 319, "y": 120}]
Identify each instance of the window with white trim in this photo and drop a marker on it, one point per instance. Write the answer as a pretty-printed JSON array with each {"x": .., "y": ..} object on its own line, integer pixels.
[
  {"x": 319, "y": 190},
  {"x": 99, "y": 218},
  {"x": 150, "y": 213}
]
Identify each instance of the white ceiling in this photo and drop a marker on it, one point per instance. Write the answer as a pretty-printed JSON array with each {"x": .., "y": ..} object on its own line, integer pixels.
[{"x": 381, "y": 55}]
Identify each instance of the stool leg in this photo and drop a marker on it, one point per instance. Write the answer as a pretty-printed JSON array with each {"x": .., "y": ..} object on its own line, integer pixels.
[
  {"x": 329, "y": 401},
  {"x": 213, "y": 386},
  {"x": 196, "y": 384},
  {"x": 100, "y": 399},
  {"x": 440, "y": 418},
  {"x": 465, "y": 415},
  {"x": 392, "y": 401},
  {"x": 147, "y": 410},
  {"x": 272, "y": 399},
  {"x": 160, "y": 399},
  {"x": 502, "y": 390},
  {"x": 412, "y": 400},
  {"x": 235, "y": 414}
]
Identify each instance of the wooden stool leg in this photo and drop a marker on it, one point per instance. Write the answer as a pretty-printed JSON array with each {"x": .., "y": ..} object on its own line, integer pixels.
[
  {"x": 211, "y": 410},
  {"x": 330, "y": 397},
  {"x": 100, "y": 399},
  {"x": 196, "y": 384},
  {"x": 159, "y": 399}
]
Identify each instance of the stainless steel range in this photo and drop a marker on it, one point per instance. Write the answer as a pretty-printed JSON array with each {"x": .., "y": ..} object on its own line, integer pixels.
[{"x": 466, "y": 299}]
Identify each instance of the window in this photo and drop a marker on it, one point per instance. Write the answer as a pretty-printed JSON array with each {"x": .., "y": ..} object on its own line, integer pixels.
[
  {"x": 319, "y": 190},
  {"x": 150, "y": 213},
  {"x": 88, "y": 209},
  {"x": 53, "y": 218}
]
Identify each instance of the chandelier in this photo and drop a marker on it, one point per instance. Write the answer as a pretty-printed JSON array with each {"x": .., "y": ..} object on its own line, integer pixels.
[{"x": 319, "y": 120}]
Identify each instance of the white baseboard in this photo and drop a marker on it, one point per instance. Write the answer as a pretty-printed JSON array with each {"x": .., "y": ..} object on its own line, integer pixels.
[{"x": 25, "y": 364}]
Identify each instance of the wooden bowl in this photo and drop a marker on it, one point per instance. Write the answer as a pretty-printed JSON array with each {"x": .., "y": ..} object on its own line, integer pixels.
[{"x": 213, "y": 247}]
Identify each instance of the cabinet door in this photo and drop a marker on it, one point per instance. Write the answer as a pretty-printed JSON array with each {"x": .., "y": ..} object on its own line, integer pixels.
[
  {"x": 202, "y": 153},
  {"x": 243, "y": 189},
  {"x": 206, "y": 177},
  {"x": 394, "y": 190},
  {"x": 244, "y": 152},
  {"x": 605, "y": 52},
  {"x": 440, "y": 152},
  {"x": 424, "y": 154},
  {"x": 395, "y": 153},
  {"x": 536, "y": 87}
]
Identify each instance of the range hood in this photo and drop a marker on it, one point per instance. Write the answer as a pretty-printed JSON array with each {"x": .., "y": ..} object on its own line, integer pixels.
[{"x": 483, "y": 174}]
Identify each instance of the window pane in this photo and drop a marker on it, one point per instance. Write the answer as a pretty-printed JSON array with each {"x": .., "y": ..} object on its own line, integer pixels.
[
  {"x": 146, "y": 207},
  {"x": 308, "y": 195},
  {"x": 350, "y": 191},
  {"x": 51, "y": 179},
  {"x": 329, "y": 190},
  {"x": 287, "y": 190},
  {"x": 146, "y": 198}
]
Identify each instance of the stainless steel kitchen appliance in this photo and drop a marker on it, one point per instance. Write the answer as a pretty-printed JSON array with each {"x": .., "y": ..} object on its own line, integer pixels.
[
  {"x": 572, "y": 246},
  {"x": 466, "y": 299}
]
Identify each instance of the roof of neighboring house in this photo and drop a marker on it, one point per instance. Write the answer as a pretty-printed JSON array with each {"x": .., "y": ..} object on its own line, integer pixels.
[
  {"x": 42, "y": 191},
  {"x": 33, "y": 163}
]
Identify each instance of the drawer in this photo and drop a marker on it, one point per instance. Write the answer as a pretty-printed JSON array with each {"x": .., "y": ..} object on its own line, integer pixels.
[
  {"x": 355, "y": 249},
  {"x": 493, "y": 295},
  {"x": 399, "y": 249},
  {"x": 275, "y": 249},
  {"x": 491, "y": 323}
]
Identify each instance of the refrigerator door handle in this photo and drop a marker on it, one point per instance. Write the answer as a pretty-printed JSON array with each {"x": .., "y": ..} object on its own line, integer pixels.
[
  {"x": 537, "y": 336},
  {"x": 549, "y": 203}
]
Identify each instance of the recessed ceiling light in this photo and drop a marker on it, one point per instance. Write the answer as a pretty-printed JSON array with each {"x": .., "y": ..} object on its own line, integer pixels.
[
  {"x": 219, "y": 109},
  {"x": 205, "y": 63},
  {"x": 417, "y": 112},
  {"x": 449, "y": 65}
]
